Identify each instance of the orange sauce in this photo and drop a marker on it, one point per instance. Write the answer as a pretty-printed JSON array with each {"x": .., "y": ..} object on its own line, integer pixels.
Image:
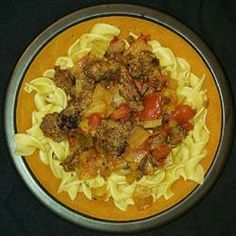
[{"x": 58, "y": 46}]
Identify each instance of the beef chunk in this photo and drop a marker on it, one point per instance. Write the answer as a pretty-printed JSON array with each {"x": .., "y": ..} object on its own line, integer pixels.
[
  {"x": 165, "y": 100},
  {"x": 72, "y": 161},
  {"x": 176, "y": 135},
  {"x": 166, "y": 118},
  {"x": 130, "y": 39},
  {"x": 142, "y": 64},
  {"x": 85, "y": 99},
  {"x": 158, "y": 140},
  {"x": 102, "y": 70},
  {"x": 115, "y": 51},
  {"x": 84, "y": 95},
  {"x": 64, "y": 80},
  {"x": 129, "y": 91},
  {"x": 149, "y": 88},
  {"x": 79, "y": 139},
  {"x": 111, "y": 136},
  {"x": 69, "y": 117},
  {"x": 51, "y": 128}
]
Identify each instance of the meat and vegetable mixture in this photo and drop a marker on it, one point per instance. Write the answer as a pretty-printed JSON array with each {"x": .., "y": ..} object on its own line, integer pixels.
[{"x": 123, "y": 113}]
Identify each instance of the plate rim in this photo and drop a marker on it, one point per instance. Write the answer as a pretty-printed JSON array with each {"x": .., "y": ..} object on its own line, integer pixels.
[{"x": 190, "y": 37}]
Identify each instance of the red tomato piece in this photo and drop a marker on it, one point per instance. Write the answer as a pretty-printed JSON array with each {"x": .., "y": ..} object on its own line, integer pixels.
[
  {"x": 122, "y": 112},
  {"x": 161, "y": 152},
  {"x": 152, "y": 107},
  {"x": 183, "y": 113},
  {"x": 94, "y": 120}
]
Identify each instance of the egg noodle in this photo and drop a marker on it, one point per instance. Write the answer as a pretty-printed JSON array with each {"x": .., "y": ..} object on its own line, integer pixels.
[{"x": 184, "y": 160}]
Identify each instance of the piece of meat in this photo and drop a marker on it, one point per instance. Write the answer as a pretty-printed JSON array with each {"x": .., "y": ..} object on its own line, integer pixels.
[
  {"x": 141, "y": 169},
  {"x": 111, "y": 136},
  {"x": 145, "y": 168},
  {"x": 79, "y": 139},
  {"x": 102, "y": 70},
  {"x": 69, "y": 117},
  {"x": 165, "y": 100},
  {"x": 64, "y": 79},
  {"x": 142, "y": 65},
  {"x": 135, "y": 66},
  {"x": 130, "y": 39},
  {"x": 85, "y": 99},
  {"x": 51, "y": 129},
  {"x": 72, "y": 161},
  {"x": 116, "y": 50},
  {"x": 166, "y": 117},
  {"x": 129, "y": 91},
  {"x": 85, "y": 95},
  {"x": 158, "y": 140},
  {"x": 176, "y": 135}
]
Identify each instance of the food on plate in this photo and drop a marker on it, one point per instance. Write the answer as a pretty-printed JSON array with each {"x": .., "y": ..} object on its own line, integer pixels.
[{"x": 118, "y": 118}]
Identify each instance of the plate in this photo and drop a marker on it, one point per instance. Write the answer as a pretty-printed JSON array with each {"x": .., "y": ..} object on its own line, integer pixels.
[{"x": 54, "y": 42}]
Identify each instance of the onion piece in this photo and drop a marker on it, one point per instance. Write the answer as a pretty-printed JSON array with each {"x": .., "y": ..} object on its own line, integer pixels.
[
  {"x": 152, "y": 123},
  {"x": 138, "y": 136}
]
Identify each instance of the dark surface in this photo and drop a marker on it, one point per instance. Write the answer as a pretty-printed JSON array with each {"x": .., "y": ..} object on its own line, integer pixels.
[{"x": 20, "y": 22}]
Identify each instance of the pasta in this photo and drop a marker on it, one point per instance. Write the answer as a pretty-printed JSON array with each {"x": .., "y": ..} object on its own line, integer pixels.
[{"x": 184, "y": 160}]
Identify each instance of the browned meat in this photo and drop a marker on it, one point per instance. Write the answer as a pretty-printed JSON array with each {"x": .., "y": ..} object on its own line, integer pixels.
[
  {"x": 78, "y": 139},
  {"x": 69, "y": 117},
  {"x": 116, "y": 50},
  {"x": 165, "y": 118},
  {"x": 129, "y": 91},
  {"x": 72, "y": 161},
  {"x": 111, "y": 136},
  {"x": 135, "y": 66},
  {"x": 149, "y": 88},
  {"x": 158, "y": 140},
  {"x": 165, "y": 100},
  {"x": 130, "y": 39},
  {"x": 64, "y": 80},
  {"x": 176, "y": 135},
  {"x": 51, "y": 128},
  {"x": 84, "y": 97},
  {"x": 142, "y": 65},
  {"x": 102, "y": 70},
  {"x": 145, "y": 168}
]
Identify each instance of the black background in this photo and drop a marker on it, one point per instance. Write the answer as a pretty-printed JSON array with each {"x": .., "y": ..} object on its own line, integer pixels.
[{"x": 20, "y": 22}]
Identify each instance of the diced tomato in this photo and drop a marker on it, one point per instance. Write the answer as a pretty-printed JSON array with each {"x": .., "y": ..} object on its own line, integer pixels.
[
  {"x": 94, "y": 120},
  {"x": 183, "y": 113},
  {"x": 152, "y": 107},
  {"x": 187, "y": 126},
  {"x": 122, "y": 112},
  {"x": 161, "y": 152}
]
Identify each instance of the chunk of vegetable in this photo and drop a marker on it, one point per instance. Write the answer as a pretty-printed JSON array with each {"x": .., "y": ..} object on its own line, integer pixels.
[
  {"x": 137, "y": 137},
  {"x": 101, "y": 102},
  {"x": 139, "y": 45},
  {"x": 152, "y": 123},
  {"x": 161, "y": 152},
  {"x": 93, "y": 121},
  {"x": 122, "y": 112},
  {"x": 183, "y": 113},
  {"x": 152, "y": 107}
]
